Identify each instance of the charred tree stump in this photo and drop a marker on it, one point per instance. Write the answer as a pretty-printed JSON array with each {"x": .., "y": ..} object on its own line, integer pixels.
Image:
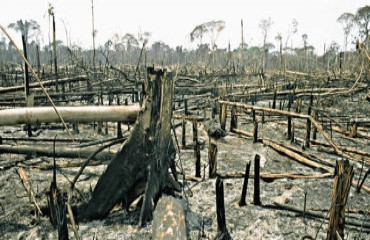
[
  {"x": 342, "y": 182},
  {"x": 234, "y": 119},
  {"x": 245, "y": 185},
  {"x": 212, "y": 159},
  {"x": 223, "y": 233},
  {"x": 144, "y": 158},
  {"x": 256, "y": 194}
]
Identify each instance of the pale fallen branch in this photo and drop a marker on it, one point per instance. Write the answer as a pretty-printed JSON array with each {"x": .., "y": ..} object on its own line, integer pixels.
[{"x": 27, "y": 186}]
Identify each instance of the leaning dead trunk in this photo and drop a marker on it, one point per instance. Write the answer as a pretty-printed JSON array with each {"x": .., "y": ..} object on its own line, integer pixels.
[{"x": 144, "y": 159}]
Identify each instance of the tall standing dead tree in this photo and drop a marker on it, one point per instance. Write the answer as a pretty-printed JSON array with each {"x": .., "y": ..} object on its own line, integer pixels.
[{"x": 144, "y": 160}]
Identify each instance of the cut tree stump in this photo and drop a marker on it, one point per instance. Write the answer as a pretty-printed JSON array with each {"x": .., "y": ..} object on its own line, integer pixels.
[{"x": 144, "y": 158}]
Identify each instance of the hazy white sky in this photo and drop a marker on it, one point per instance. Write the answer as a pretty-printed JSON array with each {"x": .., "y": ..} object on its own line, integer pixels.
[{"x": 171, "y": 21}]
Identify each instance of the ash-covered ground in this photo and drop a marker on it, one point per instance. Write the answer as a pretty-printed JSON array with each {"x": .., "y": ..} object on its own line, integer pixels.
[{"x": 18, "y": 219}]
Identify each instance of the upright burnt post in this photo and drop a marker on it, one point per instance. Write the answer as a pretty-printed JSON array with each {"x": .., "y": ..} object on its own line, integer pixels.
[
  {"x": 289, "y": 134},
  {"x": 308, "y": 123},
  {"x": 245, "y": 185},
  {"x": 27, "y": 83},
  {"x": 183, "y": 136},
  {"x": 234, "y": 119},
  {"x": 196, "y": 148},
  {"x": 220, "y": 208},
  {"x": 314, "y": 129},
  {"x": 119, "y": 127},
  {"x": 255, "y": 132},
  {"x": 223, "y": 116},
  {"x": 212, "y": 159},
  {"x": 256, "y": 194}
]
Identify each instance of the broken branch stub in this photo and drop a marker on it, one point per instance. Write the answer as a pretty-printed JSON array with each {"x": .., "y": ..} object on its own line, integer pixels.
[{"x": 144, "y": 158}]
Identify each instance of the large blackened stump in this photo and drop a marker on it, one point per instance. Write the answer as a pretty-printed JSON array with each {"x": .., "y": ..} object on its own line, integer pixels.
[{"x": 144, "y": 159}]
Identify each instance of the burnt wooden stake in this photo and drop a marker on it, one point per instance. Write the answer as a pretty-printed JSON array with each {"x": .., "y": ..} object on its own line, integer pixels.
[
  {"x": 358, "y": 189},
  {"x": 304, "y": 206},
  {"x": 223, "y": 116},
  {"x": 342, "y": 182},
  {"x": 234, "y": 119},
  {"x": 245, "y": 185},
  {"x": 331, "y": 130},
  {"x": 220, "y": 208},
  {"x": 308, "y": 124},
  {"x": 195, "y": 132},
  {"x": 197, "y": 159},
  {"x": 314, "y": 130},
  {"x": 55, "y": 57},
  {"x": 27, "y": 81},
  {"x": 253, "y": 115},
  {"x": 255, "y": 132},
  {"x": 214, "y": 110},
  {"x": 119, "y": 127},
  {"x": 289, "y": 127},
  {"x": 292, "y": 138},
  {"x": 353, "y": 130},
  {"x": 75, "y": 127},
  {"x": 212, "y": 159},
  {"x": 274, "y": 101},
  {"x": 183, "y": 136},
  {"x": 256, "y": 193},
  {"x": 186, "y": 107}
]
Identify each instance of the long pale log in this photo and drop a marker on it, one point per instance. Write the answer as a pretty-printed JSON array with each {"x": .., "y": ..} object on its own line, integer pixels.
[
  {"x": 274, "y": 176},
  {"x": 70, "y": 114},
  {"x": 296, "y": 156}
]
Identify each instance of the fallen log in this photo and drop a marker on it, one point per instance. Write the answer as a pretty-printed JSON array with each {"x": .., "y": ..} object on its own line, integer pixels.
[
  {"x": 45, "y": 83},
  {"x": 296, "y": 156},
  {"x": 349, "y": 221},
  {"x": 85, "y": 114},
  {"x": 60, "y": 152},
  {"x": 274, "y": 176}
]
